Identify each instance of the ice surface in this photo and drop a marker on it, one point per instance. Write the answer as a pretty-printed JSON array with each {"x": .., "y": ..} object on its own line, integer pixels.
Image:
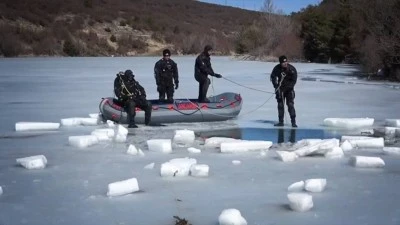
[
  {"x": 367, "y": 162},
  {"x": 236, "y": 162},
  {"x": 27, "y": 126},
  {"x": 123, "y": 187},
  {"x": 300, "y": 202},
  {"x": 349, "y": 123},
  {"x": 346, "y": 146},
  {"x": 33, "y": 162},
  {"x": 231, "y": 217}
]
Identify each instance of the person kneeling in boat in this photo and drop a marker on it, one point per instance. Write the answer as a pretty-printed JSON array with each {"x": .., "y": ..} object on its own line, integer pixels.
[{"x": 131, "y": 94}]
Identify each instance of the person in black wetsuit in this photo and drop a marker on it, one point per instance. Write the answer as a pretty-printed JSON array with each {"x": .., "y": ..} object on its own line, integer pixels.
[
  {"x": 284, "y": 78},
  {"x": 202, "y": 69},
  {"x": 131, "y": 94},
  {"x": 166, "y": 74}
]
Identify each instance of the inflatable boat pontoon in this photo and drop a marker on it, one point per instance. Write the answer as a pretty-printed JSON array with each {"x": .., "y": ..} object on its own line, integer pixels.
[{"x": 221, "y": 107}]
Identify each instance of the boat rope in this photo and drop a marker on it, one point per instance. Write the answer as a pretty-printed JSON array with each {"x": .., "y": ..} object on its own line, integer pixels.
[{"x": 255, "y": 89}]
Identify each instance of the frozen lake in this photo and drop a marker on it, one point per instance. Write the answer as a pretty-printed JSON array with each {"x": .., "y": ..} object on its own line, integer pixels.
[{"x": 71, "y": 189}]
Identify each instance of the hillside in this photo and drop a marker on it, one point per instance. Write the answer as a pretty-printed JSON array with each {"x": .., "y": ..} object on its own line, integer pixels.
[{"x": 117, "y": 27}]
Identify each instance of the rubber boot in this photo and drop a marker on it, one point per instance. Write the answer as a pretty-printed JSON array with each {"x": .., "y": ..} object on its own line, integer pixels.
[
  {"x": 294, "y": 123},
  {"x": 280, "y": 124}
]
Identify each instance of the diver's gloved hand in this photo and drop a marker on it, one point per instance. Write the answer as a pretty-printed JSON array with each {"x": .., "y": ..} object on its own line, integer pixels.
[
  {"x": 217, "y": 75},
  {"x": 176, "y": 86}
]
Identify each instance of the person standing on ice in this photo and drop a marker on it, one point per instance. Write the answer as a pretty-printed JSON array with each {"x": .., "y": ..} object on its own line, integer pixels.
[
  {"x": 131, "y": 94},
  {"x": 166, "y": 74},
  {"x": 202, "y": 69},
  {"x": 284, "y": 78}
]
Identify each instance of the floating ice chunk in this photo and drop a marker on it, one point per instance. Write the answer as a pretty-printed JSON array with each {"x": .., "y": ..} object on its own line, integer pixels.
[
  {"x": 352, "y": 138},
  {"x": 320, "y": 147},
  {"x": 140, "y": 152},
  {"x": 315, "y": 185},
  {"x": 392, "y": 122},
  {"x": 215, "y": 142},
  {"x": 82, "y": 141},
  {"x": 160, "y": 145},
  {"x": 346, "y": 146},
  {"x": 149, "y": 166},
  {"x": 231, "y": 217},
  {"x": 123, "y": 187},
  {"x": 236, "y": 162},
  {"x": 1, "y": 190},
  {"x": 25, "y": 126},
  {"x": 390, "y": 132},
  {"x": 334, "y": 153},
  {"x": 121, "y": 133},
  {"x": 368, "y": 143},
  {"x": 349, "y": 123},
  {"x": 286, "y": 156},
  {"x": 199, "y": 170},
  {"x": 300, "y": 202},
  {"x": 296, "y": 187},
  {"x": 132, "y": 150},
  {"x": 104, "y": 134},
  {"x": 110, "y": 123},
  {"x": 179, "y": 167},
  {"x": 184, "y": 137},
  {"x": 33, "y": 162},
  {"x": 244, "y": 146},
  {"x": 95, "y": 115},
  {"x": 367, "y": 162},
  {"x": 76, "y": 121},
  {"x": 392, "y": 150},
  {"x": 194, "y": 150}
]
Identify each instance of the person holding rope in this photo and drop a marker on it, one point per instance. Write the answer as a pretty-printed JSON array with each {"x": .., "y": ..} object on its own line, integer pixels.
[
  {"x": 131, "y": 94},
  {"x": 284, "y": 78},
  {"x": 202, "y": 69}
]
